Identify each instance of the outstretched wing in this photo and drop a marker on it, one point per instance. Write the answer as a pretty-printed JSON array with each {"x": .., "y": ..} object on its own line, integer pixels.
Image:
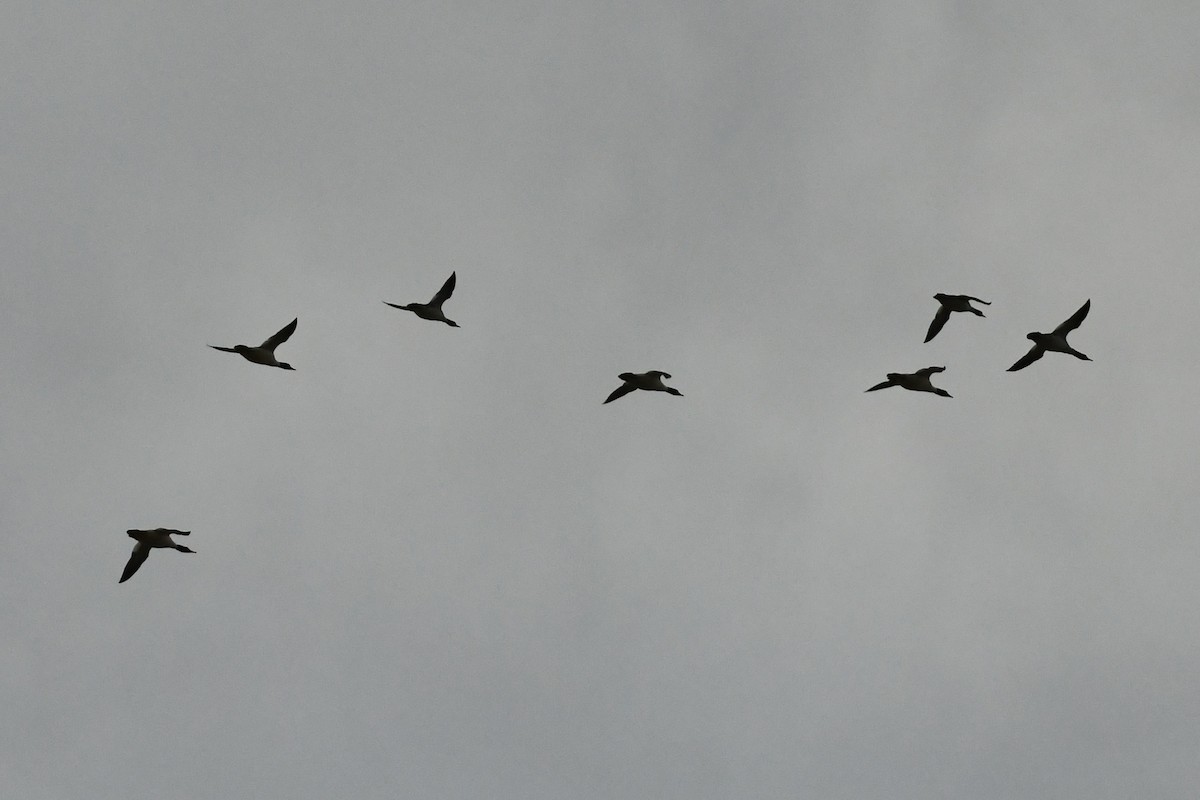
[
  {"x": 140, "y": 552},
  {"x": 884, "y": 385},
  {"x": 284, "y": 334},
  {"x": 1033, "y": 355},
  {"x": 444, "y": 293},
  {"x": 620, "y": 391},
  {"x": 939, "y": 319},
  {"x": 223, "y": 349},
  {"x": 1075, "y": 319}
]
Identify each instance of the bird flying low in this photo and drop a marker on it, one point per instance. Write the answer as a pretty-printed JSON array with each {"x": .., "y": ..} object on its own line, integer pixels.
[
  {"x": 649, "y": 381},
  {"x": 914, "y": 381},
  {"x": 265, "y": 353},
  {"x": 433, "y": 309},
  {"x": 158, "y": 537},
  {"x": 1055, "y": 341},
  {"x": 950, "y": 303}
]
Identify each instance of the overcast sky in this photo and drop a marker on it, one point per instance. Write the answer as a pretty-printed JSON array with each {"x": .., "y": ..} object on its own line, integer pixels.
[{"x": 431, "y": 564}]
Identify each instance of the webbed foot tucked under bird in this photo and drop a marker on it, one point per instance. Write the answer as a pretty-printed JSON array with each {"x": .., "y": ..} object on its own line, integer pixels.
[
  {"x": 265, "y": 352},
  {"x": 433, "y": 309},
  {"x": 951, "y": 303},
  {"x": 913, "y": 381},
  {"x": 1055, "y": 341},
  {"x": 649, "y": 381},
  {"x": 157, "y": 537}
]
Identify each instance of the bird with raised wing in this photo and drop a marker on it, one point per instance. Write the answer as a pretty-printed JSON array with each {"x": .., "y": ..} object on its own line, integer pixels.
[
  {"x": 951, "y": 303},
  {"x": 649, "y": 381},
  {"x": 146, "y": 540},
  {"x": 913, "y": 381},
  {"x": 433, "y": 309},
  {"x": 265, "y": 352},
  {"x": 1055, "y": 341}
]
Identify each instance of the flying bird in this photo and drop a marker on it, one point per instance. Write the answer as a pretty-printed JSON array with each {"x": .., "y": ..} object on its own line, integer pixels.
[
  {"x": 1055, "y": 341},
  {"x": 433, "y": 309},
  {"x": 158, "y": 537},
  {"x": 649, "y": 381},
  {"x": 949, "y": 303},
  {"x": 914, "y": 381},
  {"x": 265, "y": 352}
]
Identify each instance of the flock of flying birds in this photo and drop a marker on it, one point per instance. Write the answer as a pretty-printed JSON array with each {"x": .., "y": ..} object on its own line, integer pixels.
[
  {"x": 1055, "y": 341},
  {"x": 652, "y": 381}
]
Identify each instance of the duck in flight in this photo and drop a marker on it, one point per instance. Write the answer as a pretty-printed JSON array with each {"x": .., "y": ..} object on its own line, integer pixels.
[
  {"x": 265, "y": 352},
  {"x": 158, "y": 537},
  {"x": 1055, "y": 340},
  {"x": 914, "y": 381},
  {"x": 433, "y": 309},
  {"x": 949, "y": 303},
  {"x": 649, "y": 381}
]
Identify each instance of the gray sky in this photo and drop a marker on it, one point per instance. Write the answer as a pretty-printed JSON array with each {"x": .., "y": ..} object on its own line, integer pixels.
[{"x": 431, "y": 564}]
